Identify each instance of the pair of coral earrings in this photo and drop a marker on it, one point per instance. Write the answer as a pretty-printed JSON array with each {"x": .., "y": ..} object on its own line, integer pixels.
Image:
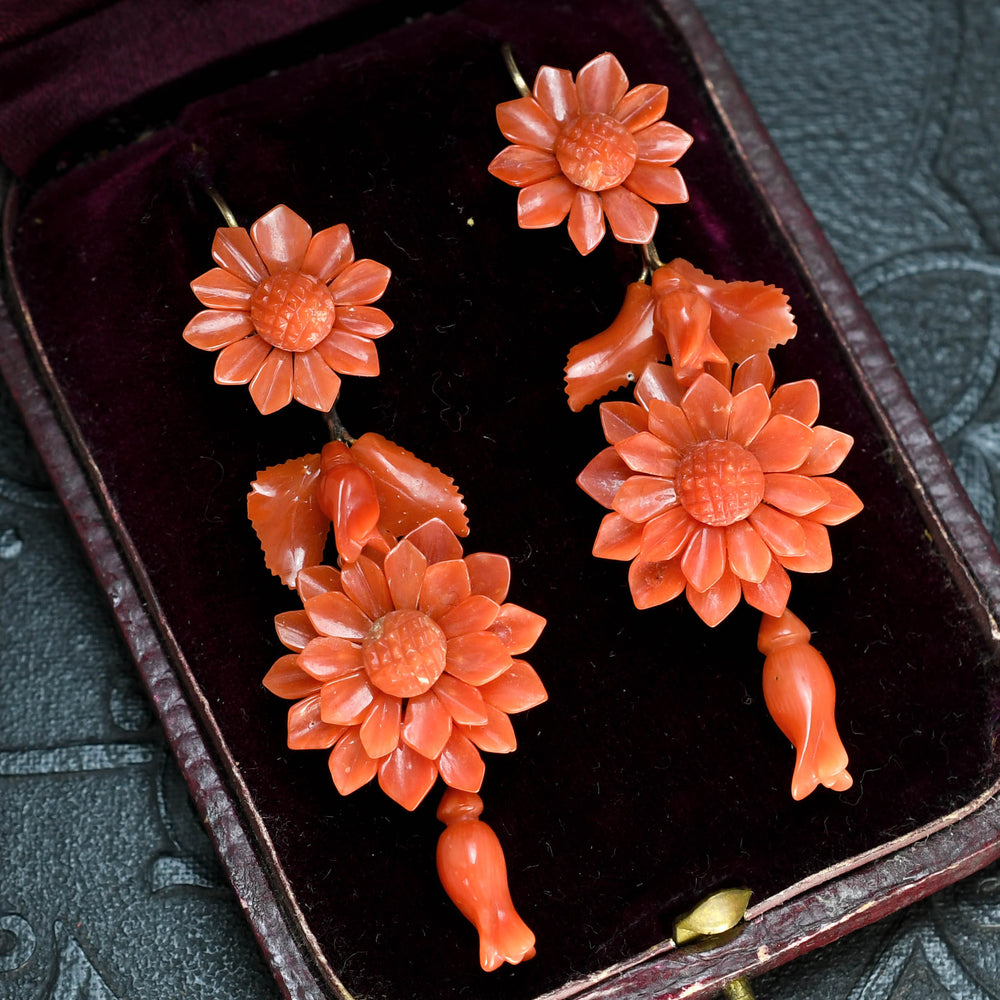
[{"x": 404, "y": 659}]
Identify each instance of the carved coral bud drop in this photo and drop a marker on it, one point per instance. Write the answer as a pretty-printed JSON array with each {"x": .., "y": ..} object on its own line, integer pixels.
[
  {"x": 800, "y": 695},
  {"x": 473, "y": 872}
]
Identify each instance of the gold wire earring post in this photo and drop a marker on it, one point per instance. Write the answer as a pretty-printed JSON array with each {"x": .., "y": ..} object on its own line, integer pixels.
[
  {"x": 222, "y": 206},
  {"x": 650, "y": 261},
  {"x": 512, "y": 68}
]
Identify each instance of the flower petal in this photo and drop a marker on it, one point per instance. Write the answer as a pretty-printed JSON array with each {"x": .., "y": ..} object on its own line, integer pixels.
[
  {"x": 406, "y": 777},
  {"x": 642, "y": 106},
  {"x": 379, "y": 732},
  {"x": 328, "y": 253},
  {"x": 604, "y": 476},
  {"x": 436, "y": 540},
  {"x": 818, "y": 556},
  {"x": 364, "y": 321},
  {"x": 829, "y": 450},
  {"x": 663, "y": 142},
  {"x": 315, "y": 580},
  {"x": 212, "y": 329},
  {"x": 653, "y": 583},
  {"x": 645, "y": 452},
  {"x": 348, "y": 353},
  {"x": 460, "y": 764},
  {"x": 797, "y": 399},
  {"x": 294, "y": 629},
  {"x": 667, "y": 535},
  {"x": 586, "y": 221},
  {"x": 445, "y": 585},
  {"x": 658, "y": 183},
  {"x": 497, "y": 736},
  {"x": 517, "y": 628},
  {"x": 286, "y": 679},
  {"x": 462, "y": 700},
  {"x": 313, "y": 383},
  {"x": 671, "y": 425},
  {"x": 751, "y": 411},
  {"x": 475, "y": 614},
  {"x": 233, "y": 250},
  {"x": 707, "y": 406},
  {"x": 238, "y": 363},
  {"x": 643, "y": 497},
  {"x": 601, "y": 84},
  {"x": 798, "y": 495},
  {"x": 520, "y": 166},
  {"x": 844, "y": 502},
  {"x": 755, "y": 370},
  {"x": 219, "y": 289},
  {"x": 704, "y": 559},
  {"x": 525, "y": 122},
  {"x": 404, "y": 568},
  {"x": 784, "y": 535},
  {"x": 632, "y": 219},
  {"x": 335, "y": 614},
  {"x": 306, "y": 730},
  {"x": 350, "y": 766},
  {"x": 516, "y": 689},
  {"x": 427, "y": 725},
  {"x": 770, "y": 595},
  {"x": 749, "y": 557},
  {"x": 718, "y": 601},
  {"x": 282, "y": 238},
  {"x": 782, "y": 445},
  {"x": 660, "y": 382},
  {"x": 365, "y": 584},
  {"x": 555, "y": 91},
  {"x": 360, "y": 283},
  {"x": 271, "y": 387},
  {"x": 620, "y": 420},
  {"x": 545, "y": 204},
  {"x": 328, "y": 658},
  {"x": 617, "y": 538},
  {"x": 343, "y": 700},
  {"x": 477, "y": 658},
  {"x": 489, "y": 575}
]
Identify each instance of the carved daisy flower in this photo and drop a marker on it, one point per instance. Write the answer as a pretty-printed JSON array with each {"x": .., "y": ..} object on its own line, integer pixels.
[
  {"x": 591, "y": 149},
  {"x": 406, "y": 670},
  {"x": 289, "y": 311},
  {"x": 718, "y": 493}
]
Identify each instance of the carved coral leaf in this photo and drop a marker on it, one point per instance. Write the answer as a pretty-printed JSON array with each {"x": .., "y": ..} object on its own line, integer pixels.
[
  {"x": 617, "y": 355},
  {"x": 285, "y": 513},
  {"x": 748, "y": 317},
  {"x": 410, "y": 490}
]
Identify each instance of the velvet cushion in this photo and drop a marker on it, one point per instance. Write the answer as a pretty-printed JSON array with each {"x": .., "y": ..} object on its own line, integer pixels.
[{"x": 653, "y": 775}]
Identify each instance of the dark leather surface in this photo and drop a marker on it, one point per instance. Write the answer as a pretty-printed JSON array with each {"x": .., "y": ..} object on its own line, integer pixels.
[{"x": 108, "y": 887}]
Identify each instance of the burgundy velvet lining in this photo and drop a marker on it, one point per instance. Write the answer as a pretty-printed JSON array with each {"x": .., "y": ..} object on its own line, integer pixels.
[{"x": 653, "y": 774}]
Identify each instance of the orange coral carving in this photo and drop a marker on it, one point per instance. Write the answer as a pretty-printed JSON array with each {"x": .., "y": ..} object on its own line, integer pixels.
[
  {"x": 591, "y": 149},
  {"x": 285, "y": 512}
]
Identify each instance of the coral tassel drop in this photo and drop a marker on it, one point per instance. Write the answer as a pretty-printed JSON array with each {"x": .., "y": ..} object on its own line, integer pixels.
[
  {"x": 800, "y": 695},
  {"x": 473, "y": 872}
]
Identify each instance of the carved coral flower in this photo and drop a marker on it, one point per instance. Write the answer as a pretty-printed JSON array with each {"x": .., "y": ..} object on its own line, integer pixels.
[
  {"x": 718, "y": 493},
  {"x": 589, "y": 149},
  {"x": 289, "y": 310},
  {"x": 407, "y": 669}
]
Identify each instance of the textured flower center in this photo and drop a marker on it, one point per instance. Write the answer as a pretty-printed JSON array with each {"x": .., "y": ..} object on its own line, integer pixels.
[
  {"x": 291, "y": 310},
  {"x": 404, "y": 653},
  {"x": 596, "y": 152},
  {"x": 719, "y": 483}
]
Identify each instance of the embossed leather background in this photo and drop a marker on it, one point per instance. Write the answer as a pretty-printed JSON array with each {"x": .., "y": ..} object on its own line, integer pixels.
[{"x": 888, "y": 116}]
